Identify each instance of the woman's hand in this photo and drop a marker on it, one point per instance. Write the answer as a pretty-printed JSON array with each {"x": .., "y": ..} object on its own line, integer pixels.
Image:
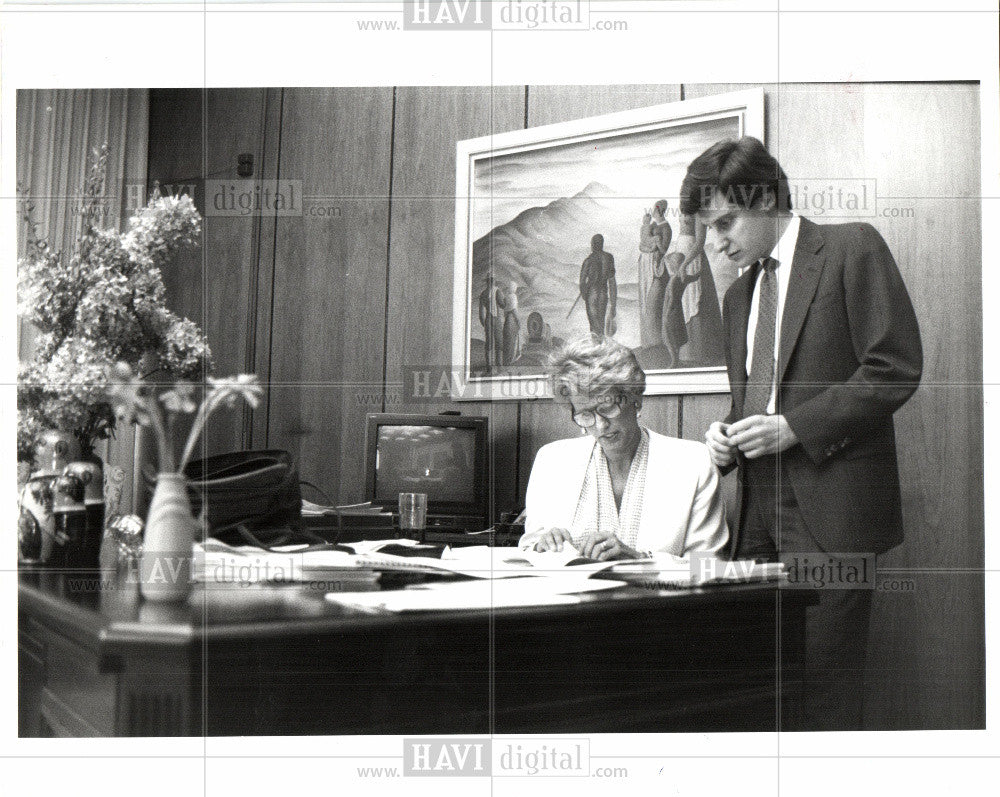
[
  {"x": 604, "y": 546},
  {"x": 553, "y": 540}
]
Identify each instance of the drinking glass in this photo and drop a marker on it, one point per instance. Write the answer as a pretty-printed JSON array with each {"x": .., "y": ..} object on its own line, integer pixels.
[{"x": 413, "y": 514}]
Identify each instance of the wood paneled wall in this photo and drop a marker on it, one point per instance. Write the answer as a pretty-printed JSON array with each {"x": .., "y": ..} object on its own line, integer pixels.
[
  {"x": 330, "y": 307},
  {"x": 194, "y": 138}
]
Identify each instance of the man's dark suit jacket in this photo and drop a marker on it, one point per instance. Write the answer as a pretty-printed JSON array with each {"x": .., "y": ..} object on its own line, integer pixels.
[{"x": 849, "y": 357}]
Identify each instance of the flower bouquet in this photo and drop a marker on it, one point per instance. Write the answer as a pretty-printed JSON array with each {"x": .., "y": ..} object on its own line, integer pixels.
[{"x": 101, "y": 303}]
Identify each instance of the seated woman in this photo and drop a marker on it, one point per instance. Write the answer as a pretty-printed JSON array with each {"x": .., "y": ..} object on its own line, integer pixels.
[{"x": 621, "y": 491}]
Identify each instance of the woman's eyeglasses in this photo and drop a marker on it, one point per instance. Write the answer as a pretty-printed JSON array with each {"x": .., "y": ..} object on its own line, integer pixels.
[{"x": 610, "y": 410}]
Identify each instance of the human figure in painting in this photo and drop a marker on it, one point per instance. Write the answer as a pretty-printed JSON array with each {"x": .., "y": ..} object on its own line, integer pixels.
[
  {"x": 599, "y": 289},
  {"x": 536, "y": 329},
  {"x": 538, "y": 345},
  {"x": 650, "y": 304},
  {"x": 491, "y": 317},
  {"x": 511, "y": 336},
  {"x": 699, "y": 298},
  {"x": 675, "y": 332},
  {"x": 654, "y": 240}
]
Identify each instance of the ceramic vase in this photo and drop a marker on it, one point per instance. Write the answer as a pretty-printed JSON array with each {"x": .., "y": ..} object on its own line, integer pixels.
[
  {"x": 165, "y": 563},
  {"x": 36, "y": 524},
  {"x": 37, "y": 543}
]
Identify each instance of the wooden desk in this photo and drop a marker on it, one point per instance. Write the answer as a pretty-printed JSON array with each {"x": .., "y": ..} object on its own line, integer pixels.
[{"x": 98, "y": 661}]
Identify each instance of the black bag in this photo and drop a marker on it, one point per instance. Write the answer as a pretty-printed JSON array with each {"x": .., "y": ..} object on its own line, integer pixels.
[{"x": 248, "y": 496}]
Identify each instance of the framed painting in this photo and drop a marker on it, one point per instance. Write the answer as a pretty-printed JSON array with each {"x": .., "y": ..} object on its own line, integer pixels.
[{"x": 573, "y": 228}]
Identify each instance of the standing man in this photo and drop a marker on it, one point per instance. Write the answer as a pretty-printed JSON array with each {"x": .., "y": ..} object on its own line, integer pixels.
[
  {"x": 511, "y": 326},
  {"x": 822, "y": 347},
  {"x": 491, "y": 317},
  {"x": 598, "y": 288}
]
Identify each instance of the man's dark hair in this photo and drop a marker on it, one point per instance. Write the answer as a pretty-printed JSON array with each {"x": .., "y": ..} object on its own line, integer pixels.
[{"x": 742, "y": 170}]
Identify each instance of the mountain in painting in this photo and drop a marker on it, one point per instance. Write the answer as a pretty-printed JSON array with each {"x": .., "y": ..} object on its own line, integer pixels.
[{"x": 542, "y": 248}]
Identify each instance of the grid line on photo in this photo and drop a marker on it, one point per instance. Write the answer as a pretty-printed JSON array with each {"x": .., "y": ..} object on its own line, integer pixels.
[{"x": 330, "y": 7}]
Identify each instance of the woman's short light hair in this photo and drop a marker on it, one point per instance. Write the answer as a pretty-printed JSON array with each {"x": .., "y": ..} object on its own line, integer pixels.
[{"x": 593, "y": 365}]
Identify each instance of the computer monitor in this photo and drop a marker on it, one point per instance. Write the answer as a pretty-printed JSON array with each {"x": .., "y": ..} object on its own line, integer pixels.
[{"x": 444, "y": 456}]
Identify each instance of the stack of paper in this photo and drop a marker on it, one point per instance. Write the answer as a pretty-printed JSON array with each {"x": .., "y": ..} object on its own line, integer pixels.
[
  {"x": 481, "y": 594},
  {"x": 218, "y": 563}
]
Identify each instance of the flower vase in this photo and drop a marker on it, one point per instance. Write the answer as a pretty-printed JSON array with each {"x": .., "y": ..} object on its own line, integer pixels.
[
  {"x": 36, "y": 526},
  {"x": 165, "y": 562},
  {"x": 36, "y": 532}
]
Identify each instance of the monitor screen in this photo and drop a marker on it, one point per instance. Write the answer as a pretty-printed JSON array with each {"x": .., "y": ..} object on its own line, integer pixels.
[
  {"x": 441, "y": 455},
  {"x": 425, "y": 459}
]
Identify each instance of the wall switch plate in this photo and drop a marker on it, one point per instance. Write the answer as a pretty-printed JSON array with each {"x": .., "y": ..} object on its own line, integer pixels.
[{"x": 244, "y": 165}]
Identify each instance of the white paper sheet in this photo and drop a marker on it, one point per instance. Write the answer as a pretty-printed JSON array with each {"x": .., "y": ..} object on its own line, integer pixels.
[{"x": 476, "y": 595}]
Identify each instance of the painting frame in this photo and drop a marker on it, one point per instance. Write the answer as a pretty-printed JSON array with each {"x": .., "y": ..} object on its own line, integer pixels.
[{"x": 742, "y": 111}]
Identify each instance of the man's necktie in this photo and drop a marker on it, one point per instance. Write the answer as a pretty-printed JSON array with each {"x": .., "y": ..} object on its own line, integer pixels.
[{"x": 761, "y": 378}]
